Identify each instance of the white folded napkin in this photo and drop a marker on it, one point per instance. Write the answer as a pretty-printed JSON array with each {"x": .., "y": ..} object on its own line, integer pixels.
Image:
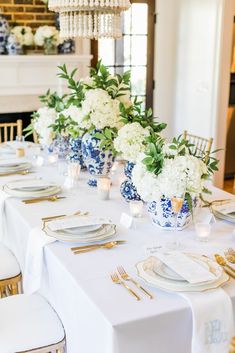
[
  {"x": 3, "y": 197},
  {"x": 185, "y": 266},
  {"x": 225, "y": 209},
  {"x": 34, "y": 260},
  {"x": 213, "y": 325},
  {"x": 75, "y": 222}
]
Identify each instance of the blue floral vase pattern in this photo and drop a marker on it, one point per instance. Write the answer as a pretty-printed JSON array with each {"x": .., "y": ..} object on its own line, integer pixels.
[
  {"x": 4, "y": 33},
  {"x": 61, "y": 146},
  {"x": 97, "y": 160},
  {"x": 13, "y": 46},
  {"x": 163, "y": 216},
  {"x": 75, "y": 154},
  {"x": 128, "y": 189}
]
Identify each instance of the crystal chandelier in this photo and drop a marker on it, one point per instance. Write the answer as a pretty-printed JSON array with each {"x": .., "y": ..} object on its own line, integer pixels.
[{"x": 91, "y": 19}]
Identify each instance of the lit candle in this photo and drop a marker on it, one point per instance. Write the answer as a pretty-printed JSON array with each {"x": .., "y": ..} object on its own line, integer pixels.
[
  {"x": 136, "y": 208},
  {"x": 52, "y": 158},
  {"x": 20, "y": 152},
  {"x": 103, "y": 188},
  {"x": 203, "y": 231}
]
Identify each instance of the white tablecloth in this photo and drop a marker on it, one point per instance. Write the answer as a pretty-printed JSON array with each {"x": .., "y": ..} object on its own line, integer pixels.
[{"x": 98, "y": 316}]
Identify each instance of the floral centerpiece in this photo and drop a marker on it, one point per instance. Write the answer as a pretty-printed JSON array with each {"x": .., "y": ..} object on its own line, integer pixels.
[
  {"x": 24, "y": 35},
  {"x": 96, "y": 115},
  {"x": 48, "y": 38},
  {"x": 167, "y": 175},
  {"x": 50, "y": 125},
  {"x": 131, "y": 140}
]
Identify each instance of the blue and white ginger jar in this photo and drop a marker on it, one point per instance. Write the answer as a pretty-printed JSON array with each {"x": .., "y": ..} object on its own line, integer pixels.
[
  {"x": 4, "y": 33},
  {"x": 60, "y": 146},
  {"x": 163, "y": 216},
  {"x": 127, "y": 188},
  {"x": 13, "y": 46},
  {"x": 75, "y": 154},
  {"x": 97, "y": 160}
]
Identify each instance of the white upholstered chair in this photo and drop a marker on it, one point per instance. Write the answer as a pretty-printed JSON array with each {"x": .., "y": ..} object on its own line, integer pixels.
[
  {"x": 29, "y": 324},
  {"x": 10, "y": 274}
]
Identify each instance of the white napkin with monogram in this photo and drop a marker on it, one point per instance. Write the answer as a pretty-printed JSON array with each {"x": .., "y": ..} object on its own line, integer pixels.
[
  {"x": 34, "y": 260},
  {"x": 213, "y": 325}
]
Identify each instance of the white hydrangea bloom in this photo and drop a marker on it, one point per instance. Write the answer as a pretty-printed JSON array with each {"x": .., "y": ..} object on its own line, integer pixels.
[
  {"x": 47, "y": 116},
  {"x": 130, "y": 141},
  {"x": 78, "y": 116},
  {"x": 23, "y": 35},
  {"x": 179, "y": 175},
  {"x": 102, "y": 109},
  {"x": 47, "y": 32}
]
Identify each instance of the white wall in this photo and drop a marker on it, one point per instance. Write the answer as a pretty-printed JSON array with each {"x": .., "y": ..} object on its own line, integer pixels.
[{"x": 193, "y": 43}]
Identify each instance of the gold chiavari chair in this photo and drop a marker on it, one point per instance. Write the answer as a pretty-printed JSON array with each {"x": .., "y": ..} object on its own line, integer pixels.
[
  {"x": 202, "y": 145},
  {"x": 10, "y": 274},
  {"x": 8, "y": 131},
  {"x": 232, "y": 346},
  {"x": 40, "y": 331}
]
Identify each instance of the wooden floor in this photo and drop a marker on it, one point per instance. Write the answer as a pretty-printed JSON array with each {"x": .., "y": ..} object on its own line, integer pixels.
[{"x": 229, "y": 186}]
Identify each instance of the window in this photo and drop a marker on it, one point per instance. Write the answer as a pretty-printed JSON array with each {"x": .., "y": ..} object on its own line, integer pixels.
[{"x": 134, "y": 51}]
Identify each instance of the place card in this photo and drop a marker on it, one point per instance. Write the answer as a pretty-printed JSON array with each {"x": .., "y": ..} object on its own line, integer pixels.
[
  {"x": 126, "y": 220},
  {"x": 185, "y": 266}
]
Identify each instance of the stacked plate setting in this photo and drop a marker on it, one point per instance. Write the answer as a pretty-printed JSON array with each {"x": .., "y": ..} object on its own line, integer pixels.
[
  {"x": 14, "y": 167},
  {"x": 31, "y": 188},
  {"x": 80, "y": 229},
  {"x": 158, "y": 274},
  {"x": 225, "y": 212}
]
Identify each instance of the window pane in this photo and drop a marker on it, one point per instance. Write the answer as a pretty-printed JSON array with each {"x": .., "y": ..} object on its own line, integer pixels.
[
  {"x": 138, "y": 79},
  {"x": 106, "y": 51},
  {"x": 139, "y": 50},
  {"x": 139, "y": 18},
  {"x": 127, "y": 50}
]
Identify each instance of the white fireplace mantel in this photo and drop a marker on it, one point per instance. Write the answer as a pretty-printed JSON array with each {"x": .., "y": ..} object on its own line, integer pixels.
[{"x": 24, "y": 77}]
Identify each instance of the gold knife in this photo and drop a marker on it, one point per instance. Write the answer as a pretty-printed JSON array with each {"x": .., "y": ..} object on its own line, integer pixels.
[
  {"x": 117, "y": 242},
  {"x": 25, "y": 172},
  {"x": 108, "y": 245}
]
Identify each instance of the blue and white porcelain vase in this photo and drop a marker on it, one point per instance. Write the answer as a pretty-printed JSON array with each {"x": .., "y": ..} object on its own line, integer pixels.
[
  {"x": 127, "y": 188},
  {"x": 75, "y": 154},
  {"x": 4, "y": 33},
  {"x": 13, "y": 46},
  {"x": 61, "y": 146},
  {"x": 97, "y": 160},
  {"x": 163, "y": 216}
]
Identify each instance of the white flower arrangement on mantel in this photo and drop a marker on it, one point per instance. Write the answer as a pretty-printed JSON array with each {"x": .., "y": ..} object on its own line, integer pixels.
[
  {"x": 48, "y": 38},
  {"x": 23, "y": 35}
]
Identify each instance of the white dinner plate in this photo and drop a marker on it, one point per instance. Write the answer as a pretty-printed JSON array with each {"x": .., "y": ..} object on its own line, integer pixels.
[
  {"x": 82, "y": 229},
  {"x": 106, "y": 232},
  {"x": 50, "y": 191},
  {"x": 146, "y": 272}
]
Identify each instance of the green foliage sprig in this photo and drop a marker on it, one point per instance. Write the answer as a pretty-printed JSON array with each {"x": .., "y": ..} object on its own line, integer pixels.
[
  {"x": 53, "y": 100},
  {"x": 145, "y": 118},
  {"x": 107, "y": 136}
]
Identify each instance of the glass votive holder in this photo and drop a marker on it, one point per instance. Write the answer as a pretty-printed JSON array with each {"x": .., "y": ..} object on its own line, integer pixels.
[
  {"x": 203, "y": 231},
  {"x": 74, "y": 169},
  {"x": 103, "y": 188},
  {"x": 52, "y": 158},
  {"x": 136, "y": 208},
  {"x": 20, "y": 138},
  {"x": 39, "y": 161}
]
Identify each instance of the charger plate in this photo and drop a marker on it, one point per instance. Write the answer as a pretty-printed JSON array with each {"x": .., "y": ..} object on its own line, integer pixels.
[{"x": 146, "y": 270}]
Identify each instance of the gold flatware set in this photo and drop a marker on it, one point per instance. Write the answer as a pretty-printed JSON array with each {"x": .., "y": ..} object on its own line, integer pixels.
[
  {"x": 87, "y": 248},
  {"x": 42, "y": 199},
  {"x": 223, "y": 263},
  {"x": 121, "y": 277},
  {"x": 216, "y": 202}
]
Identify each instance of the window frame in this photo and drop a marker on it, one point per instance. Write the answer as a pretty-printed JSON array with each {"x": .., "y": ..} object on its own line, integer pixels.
[{"x": 150, "y": 50}]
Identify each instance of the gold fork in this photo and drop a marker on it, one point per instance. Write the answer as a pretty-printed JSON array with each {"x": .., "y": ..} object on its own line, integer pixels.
[
  {"x": 230, "y": 255},
  {"x": 126, "y": 277},
  {"x": 41, "y": 199},
  {"x": 118, "y": 280}
]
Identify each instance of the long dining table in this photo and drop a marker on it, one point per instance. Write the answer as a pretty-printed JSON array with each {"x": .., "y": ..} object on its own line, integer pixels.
[{"x": 99, "y": 316}]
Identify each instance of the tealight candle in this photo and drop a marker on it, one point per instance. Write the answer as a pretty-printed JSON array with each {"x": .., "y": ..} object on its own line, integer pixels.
[
  {"x": 74, "y": 169},
  {"x": 103, "y": 188},
  {"x": 20, "y": 152},
  {"x": 203, "y": 231},
  {"x": 136, "y": 208},
  {"x": 52, "y": 158}
]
